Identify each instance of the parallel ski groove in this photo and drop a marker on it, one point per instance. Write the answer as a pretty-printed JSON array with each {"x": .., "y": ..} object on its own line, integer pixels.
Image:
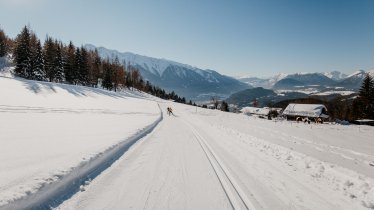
[{"x": 236, "y": 196}]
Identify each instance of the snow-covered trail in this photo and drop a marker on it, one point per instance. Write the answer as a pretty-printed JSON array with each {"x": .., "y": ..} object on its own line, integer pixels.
[
  {"x": 168, "y": 169},
  {"x": 189, "y": 162}
]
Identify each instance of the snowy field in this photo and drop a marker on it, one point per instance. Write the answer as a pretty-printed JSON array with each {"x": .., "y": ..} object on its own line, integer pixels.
[
  {"x": 48, "y": 130},
  {"x": 196, "y": 159}
]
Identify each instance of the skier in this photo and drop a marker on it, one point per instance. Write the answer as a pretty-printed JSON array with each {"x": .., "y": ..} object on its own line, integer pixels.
[
  {"x": 168, "y": 110},
  {"x": 171, "y": 111}
]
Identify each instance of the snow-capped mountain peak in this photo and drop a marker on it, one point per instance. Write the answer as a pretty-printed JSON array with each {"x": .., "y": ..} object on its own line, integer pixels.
[
  {"x": 335, "y": 75},
  {"x": 154, "y": 65},
  {"x": 358, "y": 73},
  {"x": 186, "y": 80}
]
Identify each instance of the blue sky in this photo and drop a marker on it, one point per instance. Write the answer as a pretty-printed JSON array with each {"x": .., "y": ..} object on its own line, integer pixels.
[{"x": 243, "y": 37}]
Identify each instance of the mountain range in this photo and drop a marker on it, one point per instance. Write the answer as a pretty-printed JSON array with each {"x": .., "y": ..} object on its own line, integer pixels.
[
  {"x": 301, "y": 81},
  {"x": 188, "y": 81},
  {"x": 200, "y": 85}
]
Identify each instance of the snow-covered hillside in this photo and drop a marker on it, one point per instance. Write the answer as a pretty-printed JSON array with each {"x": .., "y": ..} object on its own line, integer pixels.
[
  {"x": 50, "y": 134},
  {"x": 73, "y": 147},
  {"x": 206, "y": 159}
]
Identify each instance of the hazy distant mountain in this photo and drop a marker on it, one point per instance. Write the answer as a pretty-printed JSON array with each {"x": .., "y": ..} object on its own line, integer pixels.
[
  {"x": 300, "y": 81},
  {"x": 264, "y": 97},
  {"x": 185, "y": 80},
  {"x": 262, "y": 82},
  {"x": 304, "y": 80},
  {"x": 288, "y": 84},
  {"x": 311, "y": 78},
  {"x": 354, "y": 80},
  {"x": 335, "y": 75}
]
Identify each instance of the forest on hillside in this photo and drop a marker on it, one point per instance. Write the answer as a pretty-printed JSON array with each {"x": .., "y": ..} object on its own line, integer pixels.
[{"x": 55, "y": 61}]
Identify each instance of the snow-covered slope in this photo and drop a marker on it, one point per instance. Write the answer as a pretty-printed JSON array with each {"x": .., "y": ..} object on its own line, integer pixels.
[
  {"x": 58, "y": 143},
  {"x": 52, "y": 134},
  {"x": 207, "y": 159},
  {"x": 185, "y": 80}
]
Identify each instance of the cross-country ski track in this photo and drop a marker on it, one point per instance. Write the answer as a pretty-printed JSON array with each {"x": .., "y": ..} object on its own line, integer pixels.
[
  {"x": 133, "y": 155},
  {"x": 185, "y": 163}
]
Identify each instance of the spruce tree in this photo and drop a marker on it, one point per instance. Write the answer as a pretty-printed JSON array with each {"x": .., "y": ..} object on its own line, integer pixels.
[
  {"x": 366, "y": 97},
  {"x": 38, "y": 68},
  {"x": 107, "y": 78},
  {"x": 49, "y": 58},
  {"x": 3, "y": 44},
  {"x": 22, "y": 54},
  {"x": 96, "y": 69},
  {"x": 76, "y": 67},
  {"x": 59, "y": 64},
  {"x": 33, "y": 43},
  {"x": 69, "y": 63},
  {"x": 83, "y": 67}
]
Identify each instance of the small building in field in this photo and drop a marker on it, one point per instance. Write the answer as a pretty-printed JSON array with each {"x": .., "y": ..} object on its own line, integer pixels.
[
  {"x": 313, "y": 111},
  {"x": 258, "y": 111}
]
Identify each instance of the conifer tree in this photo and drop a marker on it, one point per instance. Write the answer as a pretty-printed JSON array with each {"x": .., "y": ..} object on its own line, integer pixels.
[
  {"x": 59, "y": 64},
  {"x": 224, "y": 106},
  {"x": 366, "y": 98},
  {"x": 38, "y": 67},
  {"x": 83, "y": 67},
  {"x": 70, "y": 63},
  {"x": 49, "y": 58},
  {"x": 3, "y": 43},
  {"x": 95, "y": 72},
  {"x": 33, "y": 43},
  {"x": 107, "y": 79},
  {"x": 77, "y": 65},
  {"x": 22, "y": 54}
]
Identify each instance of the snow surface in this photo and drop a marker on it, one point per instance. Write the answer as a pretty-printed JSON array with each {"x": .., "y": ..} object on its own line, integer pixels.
[
  {"x": 195, "y": 159},
  {"x": 48, "y": 131},
  {"x": 207, "y": 159}
]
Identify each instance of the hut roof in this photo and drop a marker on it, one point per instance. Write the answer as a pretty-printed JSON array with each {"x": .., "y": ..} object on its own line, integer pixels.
[{"x": 306, "y": 110}]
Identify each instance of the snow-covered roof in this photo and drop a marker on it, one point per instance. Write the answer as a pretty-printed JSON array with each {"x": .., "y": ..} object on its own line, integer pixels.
[
  {"x": 307, "y": 110},
  {"x": 258, "y": 111}
]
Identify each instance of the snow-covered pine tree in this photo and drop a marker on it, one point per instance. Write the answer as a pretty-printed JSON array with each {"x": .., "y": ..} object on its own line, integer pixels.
[
  {"x": 49, "y": 58},
  {"x": 366, "y": 97},
  {"x": 22, "y": 54},
  {"x": 3, "y": 44},
  {"x": 69, "y": 63},
  {"x": 38, "y": 68},
  {"x": 107, "y": 82},
  {"x": 83, "y": 68},
  {"x": 76, "y": 68},
  {"x": 96, "y": 69},
  {"x": 59, "y": 64}
]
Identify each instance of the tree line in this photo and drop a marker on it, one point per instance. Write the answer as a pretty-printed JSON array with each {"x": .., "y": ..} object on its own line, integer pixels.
[{"x": 54, "y": 61}]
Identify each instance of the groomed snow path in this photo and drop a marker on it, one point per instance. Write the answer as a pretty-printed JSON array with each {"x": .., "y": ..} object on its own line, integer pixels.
[
  {"x": 169, "y": 169},
  {"x": 194, "y": 161}
]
